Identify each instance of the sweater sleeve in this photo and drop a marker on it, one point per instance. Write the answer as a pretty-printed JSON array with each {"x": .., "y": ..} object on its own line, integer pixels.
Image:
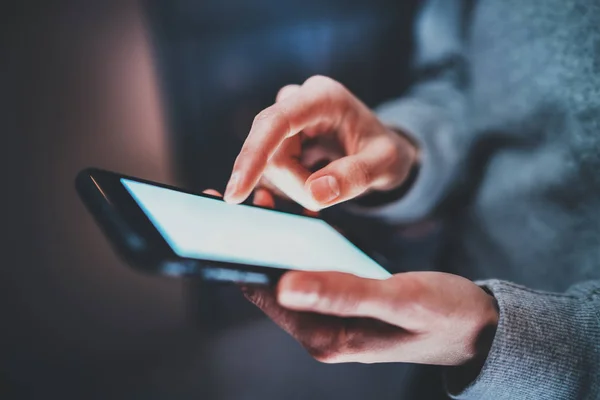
[
  {"x": 432, "y": 113},
  {"x": 547, "y": 346}
]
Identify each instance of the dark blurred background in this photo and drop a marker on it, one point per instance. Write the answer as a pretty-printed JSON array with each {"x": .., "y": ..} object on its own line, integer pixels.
[{"x": 165, "y": 90}]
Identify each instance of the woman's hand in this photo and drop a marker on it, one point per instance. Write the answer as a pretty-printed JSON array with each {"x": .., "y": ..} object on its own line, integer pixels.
[
  {"x": 416, "y": 317},
  {"x": 420, "y": 317},
  {"x": 369, "y": 155}
]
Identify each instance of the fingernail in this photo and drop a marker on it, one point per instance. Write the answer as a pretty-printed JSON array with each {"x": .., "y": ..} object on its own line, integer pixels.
[
  {"x": 297, "y": 299},
  {"x": 325, "y": 189},
  {"x": 231, "y": 187},
  {"x": 306, "y": 296}
]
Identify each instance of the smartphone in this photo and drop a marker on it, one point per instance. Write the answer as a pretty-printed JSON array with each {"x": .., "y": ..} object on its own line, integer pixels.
[{"x": 163, "y": 229}]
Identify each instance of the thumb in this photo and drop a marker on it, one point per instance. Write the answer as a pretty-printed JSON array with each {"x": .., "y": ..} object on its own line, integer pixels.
[
  {"x": 336, "y": 293},
  {"x": 380, "y": 165},
  {"x": 347, "y": 178}
]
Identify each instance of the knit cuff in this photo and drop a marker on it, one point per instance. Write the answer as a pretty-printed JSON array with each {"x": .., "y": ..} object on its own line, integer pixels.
[{"x": 546, "y": 346}]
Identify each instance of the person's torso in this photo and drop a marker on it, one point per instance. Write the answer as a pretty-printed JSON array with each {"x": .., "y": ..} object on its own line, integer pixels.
[{"x": 533, "y": 216}]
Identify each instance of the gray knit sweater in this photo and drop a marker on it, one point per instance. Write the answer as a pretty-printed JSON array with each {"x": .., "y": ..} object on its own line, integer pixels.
[{"x": 507, "y": 112}]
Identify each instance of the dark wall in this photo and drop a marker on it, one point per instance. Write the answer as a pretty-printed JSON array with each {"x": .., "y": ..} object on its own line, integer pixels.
[{"x": 79, "y": 89}]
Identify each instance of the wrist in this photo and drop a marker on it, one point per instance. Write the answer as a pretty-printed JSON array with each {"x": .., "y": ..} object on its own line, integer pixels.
[
  {"x": 486, "y": 333},
  {"x": 463, "y": 375}
]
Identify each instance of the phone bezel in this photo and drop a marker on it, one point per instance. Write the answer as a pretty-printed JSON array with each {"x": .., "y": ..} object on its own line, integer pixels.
[{"x": 138, "y": 241}]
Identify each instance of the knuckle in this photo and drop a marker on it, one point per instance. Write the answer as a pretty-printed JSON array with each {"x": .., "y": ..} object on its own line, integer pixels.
[
  {"x": 361, "y": 174},
  {"x": 326, "y": 85},
  {"x": 275, "y": 115},
  {"x": 401, "y": 156},
  {"x": 338, "y": 92},
  {"x": 286, "y": 91},
  {"x": 326, "y": 357},
  {"x": 334, "y": 347},
  {"x": 265, "y": 114},
  {"x": 323, "y": 345},
  {"x": 281, "y": 93},
  {"x": 393, "y": 162},
  {"x": 392, "y": 151},
  {"x": 329, "y": 94},
  {"x": 317, "y": 80},
  {"x": 272, "y": 115}
]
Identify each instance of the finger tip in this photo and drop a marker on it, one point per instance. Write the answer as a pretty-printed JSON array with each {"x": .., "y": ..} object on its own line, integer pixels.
[
  {"x": 290, "y": 276},
  {"x": 212, "y": 192},
  {"x": 311, "y": 213},
  {"x": 263, "y": 198},
  {"x": 231, "y": 198},
  {"x": 312, "y": 210}
]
